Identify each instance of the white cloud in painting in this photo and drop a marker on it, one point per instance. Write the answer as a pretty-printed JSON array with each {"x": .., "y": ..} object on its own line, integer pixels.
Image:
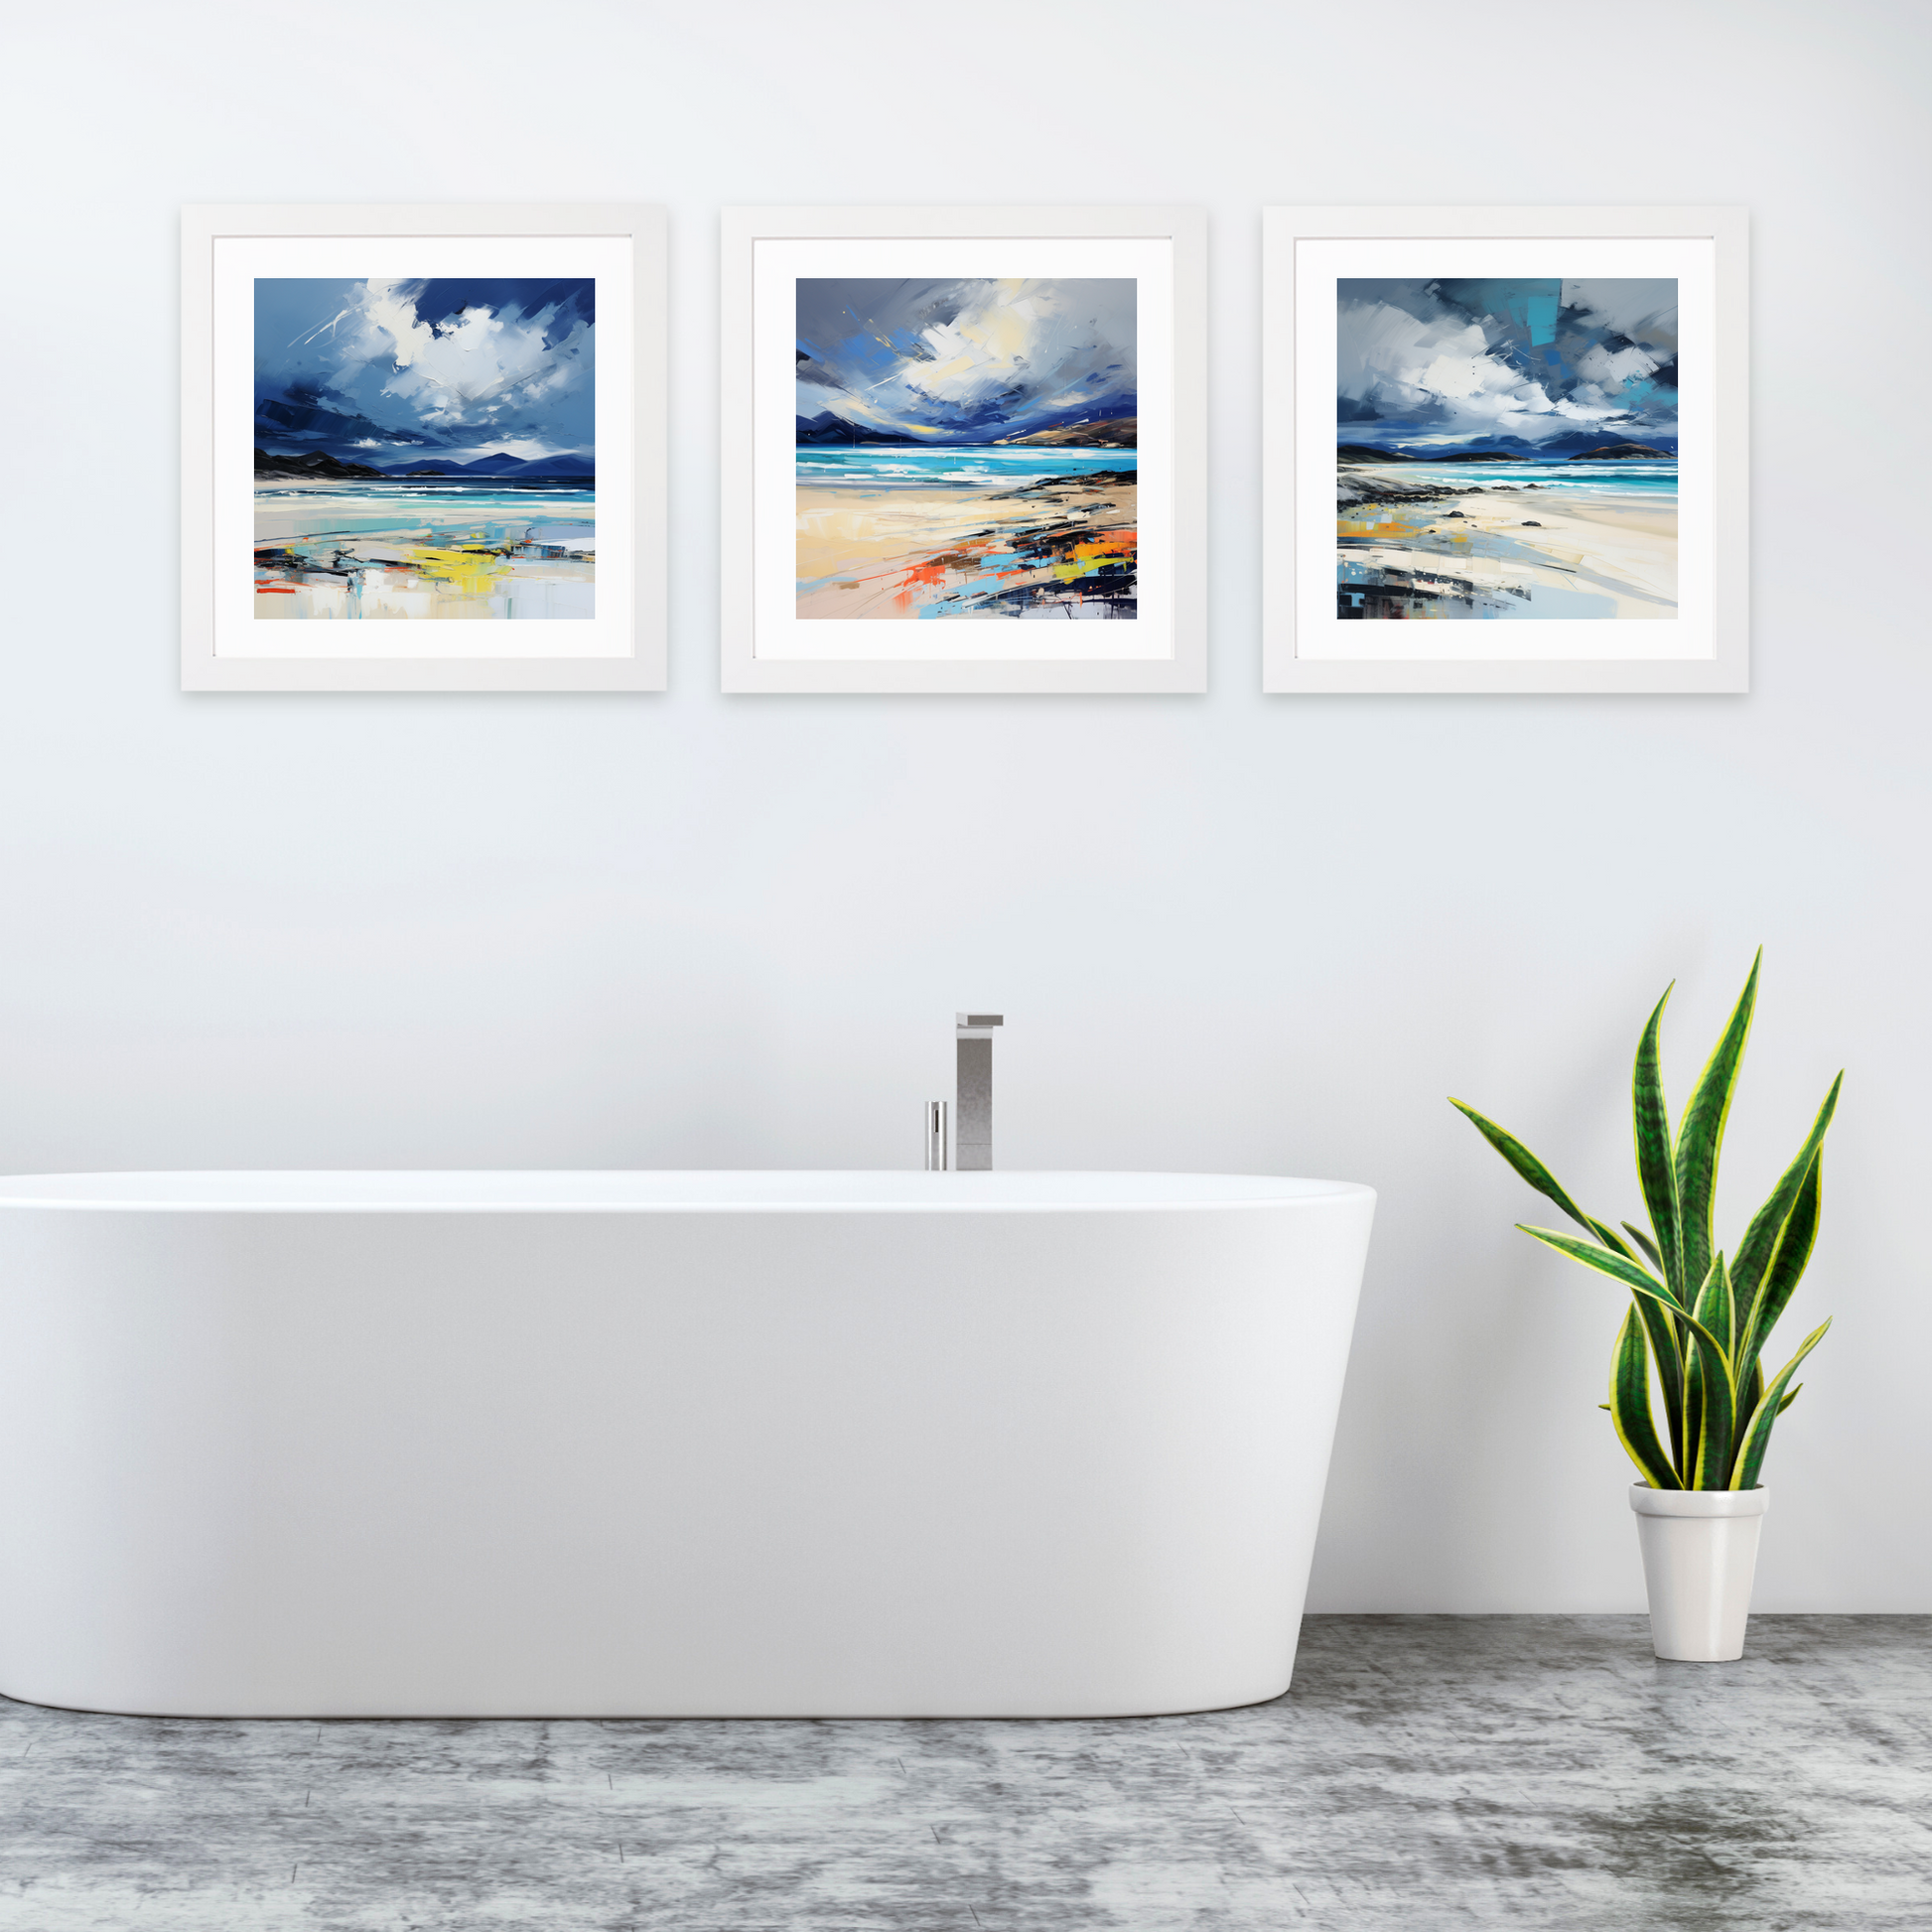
[
  {"x": 460, "y": 372},
  {"x": 1440, "y": 365},
  {"x": 1611, "y": 368},
  {"x": 1005, "y": 338}
]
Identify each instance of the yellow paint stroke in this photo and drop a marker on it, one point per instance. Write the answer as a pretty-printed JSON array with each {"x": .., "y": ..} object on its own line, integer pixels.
[
  {"x": 470, "y": 573},
  {"x": 1395, "y": 529},
  {"x": 1089, "y": 558}
]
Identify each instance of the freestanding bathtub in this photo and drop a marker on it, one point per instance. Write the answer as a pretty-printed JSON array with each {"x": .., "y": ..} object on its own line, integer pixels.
[{"x": 665, "y": 1445}]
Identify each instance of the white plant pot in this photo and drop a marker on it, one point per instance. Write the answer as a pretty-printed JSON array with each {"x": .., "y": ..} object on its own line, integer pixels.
[{"x": 1699, "y": 1552}]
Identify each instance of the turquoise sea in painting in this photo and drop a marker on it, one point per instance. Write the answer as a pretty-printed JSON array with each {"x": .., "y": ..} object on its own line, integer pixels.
[
  {"x": 968, "y": 466},
  {"x": 1571, "y": 482}
]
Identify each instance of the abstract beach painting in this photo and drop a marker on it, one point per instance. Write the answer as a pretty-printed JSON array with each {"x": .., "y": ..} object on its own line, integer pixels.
[
  {"x": 966, "y": 448},
  {"x": 1507, "y": 447},
  {"x": 424, "y": 449}
]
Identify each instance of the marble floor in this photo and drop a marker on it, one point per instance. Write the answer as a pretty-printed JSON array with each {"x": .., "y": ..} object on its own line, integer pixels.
[{"x": 1424, "y": 1773}]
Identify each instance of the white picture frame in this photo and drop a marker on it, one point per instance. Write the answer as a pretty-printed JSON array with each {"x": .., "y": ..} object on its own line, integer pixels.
[
  {"x": 767, "y": 646},
  {"x": 618, "y": 587},
  {"x": 1308, "y": 647}
]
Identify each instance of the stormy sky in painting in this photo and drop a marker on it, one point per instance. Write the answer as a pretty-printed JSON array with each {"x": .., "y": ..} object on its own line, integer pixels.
[
  {"x": 1428, "y": 367},
  {"x": 383, "y": 372},
  {"x": 962, "y": 361}
]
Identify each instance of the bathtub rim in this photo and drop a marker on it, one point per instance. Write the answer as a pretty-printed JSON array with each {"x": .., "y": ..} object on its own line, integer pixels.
[{"x": 600, "y": 1190}]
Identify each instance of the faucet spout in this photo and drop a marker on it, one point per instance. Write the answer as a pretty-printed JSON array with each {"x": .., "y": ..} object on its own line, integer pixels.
[{"x": 973, "y": 1098}]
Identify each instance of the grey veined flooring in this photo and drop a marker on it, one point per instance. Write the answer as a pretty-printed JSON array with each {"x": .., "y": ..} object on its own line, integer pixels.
[{"x": 1423, "y": 1773}]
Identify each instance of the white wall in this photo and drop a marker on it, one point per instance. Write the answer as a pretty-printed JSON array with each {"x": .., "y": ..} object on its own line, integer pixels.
[{"x": 1228, "y": 933}]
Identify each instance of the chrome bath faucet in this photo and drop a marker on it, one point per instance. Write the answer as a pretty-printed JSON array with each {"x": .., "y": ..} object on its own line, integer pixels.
[{"x": 973, "y": 1090}]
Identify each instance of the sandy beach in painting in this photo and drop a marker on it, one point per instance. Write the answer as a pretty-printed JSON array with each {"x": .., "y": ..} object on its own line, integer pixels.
[
  {"x": 424, "y": 548},
  {"x": 1059, "y": 547},
  {"x": 1569, "y": 540}
]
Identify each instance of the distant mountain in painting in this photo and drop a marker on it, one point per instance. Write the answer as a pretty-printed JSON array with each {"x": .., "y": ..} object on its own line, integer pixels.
[
  {"x": 1111, "y": 433},
  {"x": 500, "y": 465},
  {"x": 316, "y": 463}
]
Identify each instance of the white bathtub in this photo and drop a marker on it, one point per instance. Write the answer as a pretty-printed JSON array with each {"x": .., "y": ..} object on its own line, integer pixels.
[{"x": 666, "y": 1445}]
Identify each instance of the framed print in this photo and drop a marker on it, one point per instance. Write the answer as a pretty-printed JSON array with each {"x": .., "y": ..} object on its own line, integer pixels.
[
  {"x": 963, "y": 450},
  {"x": 423, "y": 449},
  {"x": 1505, "y": 449}
]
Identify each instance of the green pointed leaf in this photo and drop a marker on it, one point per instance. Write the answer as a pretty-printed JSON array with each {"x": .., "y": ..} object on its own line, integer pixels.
[
  {"x": 1693, "y": 1412},
  {"x": 1717, "y": 1412},
  {"x": 1526, "y": 1164},
  {"x": 1694, "y": 1379},
  {"x": 1755, "y": 1437},
  {"x": 1786, "y": 1267},
  {"x": 1644, "y": 1242},
  {"x": 1656, "y": 1165},
  {"x": 1613, "y": 1240},
  {"x": 1620, "y": 1268},
  {"x": 1790, "y": 1396},
  {"x": 1630, "y": 1405},
  {"x": 1711, "y": 1387},
  {"x": 1716, "y": 1305},
  {"x": 1699, "y": 1136},
  {"x": 1768, "y": 1223},
  {"x": 1782, "y": 1233},
  {"x": 1667, "y": 1349}
]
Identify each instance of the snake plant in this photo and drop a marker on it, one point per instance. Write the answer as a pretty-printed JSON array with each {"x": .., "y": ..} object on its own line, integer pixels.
[{"x": 1700, "y": 1322}]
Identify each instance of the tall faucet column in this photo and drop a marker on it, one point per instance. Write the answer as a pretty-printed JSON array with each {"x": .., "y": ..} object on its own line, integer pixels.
[{"x": 973, "y": 1095}]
